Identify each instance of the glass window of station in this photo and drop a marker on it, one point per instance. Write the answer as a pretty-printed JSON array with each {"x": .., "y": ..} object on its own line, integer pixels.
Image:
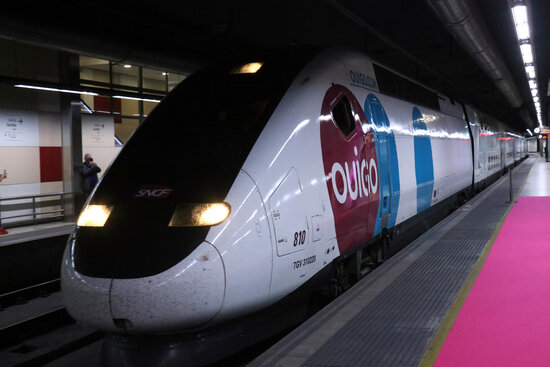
[{"x": 131, "y": 92}]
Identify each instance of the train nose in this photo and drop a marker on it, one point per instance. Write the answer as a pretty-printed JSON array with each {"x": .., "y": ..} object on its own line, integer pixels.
[
  {"x": 182, "y": 297},
  {"x": 185, "y": 296}
]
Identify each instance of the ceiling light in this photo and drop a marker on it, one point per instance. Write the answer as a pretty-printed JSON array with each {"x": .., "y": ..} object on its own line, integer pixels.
[
  {"x": 526, "y": 53},
  {"x": 530, "y": 70},
  {"x": 164, "y": 74},
  {"x": 519, "y": 13},
  {"x": 534, "y": 92},
  {"x": 85, "y": 106},
  {"x": 138, "y": 99},
  {"x": 55, "y": 89},
  {"x": 127, "y": 66},
  {"x": 532, "y": 84}
]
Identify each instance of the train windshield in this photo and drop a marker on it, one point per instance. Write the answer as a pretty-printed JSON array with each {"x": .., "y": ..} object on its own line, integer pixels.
[
  {"x": 193, "y": 144},
  {"x": 216, "y": 113}
]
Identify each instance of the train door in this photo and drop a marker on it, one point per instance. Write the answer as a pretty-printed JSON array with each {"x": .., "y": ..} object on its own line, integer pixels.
[
  {"x": 383, "y": 158},
  {"x": 387, "y": 163},
  {"x": 289, "y": 216}
]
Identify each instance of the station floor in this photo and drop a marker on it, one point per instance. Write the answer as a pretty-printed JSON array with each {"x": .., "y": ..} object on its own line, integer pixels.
[{"x": 472, "y": 291}]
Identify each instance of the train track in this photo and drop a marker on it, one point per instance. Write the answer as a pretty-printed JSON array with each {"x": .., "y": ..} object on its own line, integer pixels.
[{"x": 35, "y": 328}]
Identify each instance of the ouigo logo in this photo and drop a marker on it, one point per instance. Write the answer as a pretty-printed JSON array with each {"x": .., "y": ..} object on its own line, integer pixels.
[{"x": 351, "y": 168}]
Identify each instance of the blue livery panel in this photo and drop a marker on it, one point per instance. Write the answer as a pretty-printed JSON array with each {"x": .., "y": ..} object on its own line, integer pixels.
[
  {"x": 423, "y": 162},
  {"x": 388, "y": 164}
]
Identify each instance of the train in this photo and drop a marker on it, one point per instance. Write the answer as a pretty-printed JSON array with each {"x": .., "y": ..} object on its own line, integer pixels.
[{"x": 257, "y": 182}]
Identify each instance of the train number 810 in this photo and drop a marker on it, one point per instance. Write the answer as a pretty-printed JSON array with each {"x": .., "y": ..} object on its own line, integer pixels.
[{"x": 299, "y": 238}]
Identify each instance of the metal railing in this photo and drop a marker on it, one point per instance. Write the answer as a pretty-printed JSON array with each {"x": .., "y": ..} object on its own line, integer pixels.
[{"x": 32, "y": 203}]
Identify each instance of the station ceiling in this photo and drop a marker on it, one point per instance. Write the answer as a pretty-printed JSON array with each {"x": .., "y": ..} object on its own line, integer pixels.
[{"x": 406, "y": 35}]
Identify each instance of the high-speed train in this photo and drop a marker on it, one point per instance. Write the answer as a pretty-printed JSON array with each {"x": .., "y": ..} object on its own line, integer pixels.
[{"x": 256, "y": 182}]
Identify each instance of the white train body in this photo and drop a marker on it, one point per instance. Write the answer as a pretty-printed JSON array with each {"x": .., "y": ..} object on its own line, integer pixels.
[{"x": 313, "y": 188}]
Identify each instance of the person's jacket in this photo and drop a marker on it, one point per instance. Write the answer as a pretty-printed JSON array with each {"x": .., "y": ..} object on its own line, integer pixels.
[{"x": 89, "y": 176}]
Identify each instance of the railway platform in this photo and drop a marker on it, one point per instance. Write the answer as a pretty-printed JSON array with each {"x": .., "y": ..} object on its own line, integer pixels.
[
  {"x": 36, "y": 232},
  {"x": 469, "y": 292}
]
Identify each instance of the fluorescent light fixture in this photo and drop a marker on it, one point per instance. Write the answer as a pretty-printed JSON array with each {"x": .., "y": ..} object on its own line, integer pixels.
[
  {"x": 138, "y": 99},
  {"x": 529, "y": 131},
  {"x": 164, "y": 74},
  {"x": 519, "y": 13},
  {"x": 534, "y": 92},
  {"x": 532, "y": 84},
  {"x": 127, "y": 66},
  {"x": 94, "y": 216},
  {"x": 55, "y": 89},
  {"x": 522, "y": 30},
  {"x": 526, "y": 53},
  {"x": 530, "y": 70},
  {"x": 536, "y": 99},
  {"x": 118, "y": 142},
  {"x": 88, "y": 109}
]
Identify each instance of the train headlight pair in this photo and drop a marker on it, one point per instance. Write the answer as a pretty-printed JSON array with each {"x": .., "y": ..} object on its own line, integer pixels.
[{"x": 185, "y": 215}]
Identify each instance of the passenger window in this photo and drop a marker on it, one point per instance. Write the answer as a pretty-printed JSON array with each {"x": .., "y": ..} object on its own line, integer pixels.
[{"x": 343, "y": 116}]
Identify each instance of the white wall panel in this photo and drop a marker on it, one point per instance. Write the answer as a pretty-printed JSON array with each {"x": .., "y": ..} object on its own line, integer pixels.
[{"x": 22, "y": 164}]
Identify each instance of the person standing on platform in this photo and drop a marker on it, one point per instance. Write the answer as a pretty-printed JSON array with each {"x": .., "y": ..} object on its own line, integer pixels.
[
  {"x": 2, "y": 177},
  {"x": 89, "y": 171}
]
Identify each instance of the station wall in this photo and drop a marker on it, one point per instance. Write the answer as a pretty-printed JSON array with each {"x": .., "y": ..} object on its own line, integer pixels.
[{"x": 31, "y": 130}]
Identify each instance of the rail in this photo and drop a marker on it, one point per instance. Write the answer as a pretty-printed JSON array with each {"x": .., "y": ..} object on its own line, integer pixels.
[{"x": 30, "y": 206}]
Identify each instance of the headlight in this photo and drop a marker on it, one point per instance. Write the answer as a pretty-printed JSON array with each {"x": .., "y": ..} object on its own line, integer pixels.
[
  {"x": 191, "y": 215},
  {"x": 250, "y": 68},
  {"x": 94, "y": 216}
]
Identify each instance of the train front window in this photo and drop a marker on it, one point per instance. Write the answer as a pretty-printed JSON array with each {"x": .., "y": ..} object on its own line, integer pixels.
[{"x": 218, "y": 113}]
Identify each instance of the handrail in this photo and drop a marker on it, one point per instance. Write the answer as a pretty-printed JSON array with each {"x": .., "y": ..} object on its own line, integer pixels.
[
  {"x": 2, "y": 198},
  {"x": 58, "y": 213}
]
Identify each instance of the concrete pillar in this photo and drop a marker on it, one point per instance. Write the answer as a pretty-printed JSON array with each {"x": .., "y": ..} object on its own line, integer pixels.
[{"x": 69, "y": 73}]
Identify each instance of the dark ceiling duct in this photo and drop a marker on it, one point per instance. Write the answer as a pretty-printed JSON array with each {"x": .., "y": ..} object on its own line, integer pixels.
[
  {"x": 471, "y": 33},
  {"x": 524, "y": 114},
  {"x": 114, "y": 45}
]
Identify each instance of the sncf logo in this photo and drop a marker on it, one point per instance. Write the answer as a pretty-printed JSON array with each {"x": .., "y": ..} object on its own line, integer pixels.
[{"x": 153, "y": 192}]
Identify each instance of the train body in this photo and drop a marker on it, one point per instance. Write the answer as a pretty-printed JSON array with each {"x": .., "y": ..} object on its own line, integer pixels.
[{"x": 306, "y": 158}]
